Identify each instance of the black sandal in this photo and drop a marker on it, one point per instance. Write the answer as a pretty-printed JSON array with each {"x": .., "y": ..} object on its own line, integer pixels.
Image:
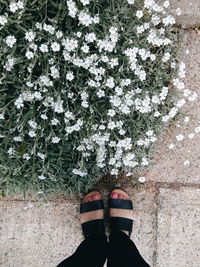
[
  {"x": 96, "y": 225},
  {"x": 120, "y": 223}
]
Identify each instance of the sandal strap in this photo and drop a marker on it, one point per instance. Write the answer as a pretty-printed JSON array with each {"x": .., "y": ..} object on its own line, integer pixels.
[
  {"x": 120, "y": 223},
  {"x": 93, "y": 227},
  {"x": 120, "y": 204},
  {"x": 91, "y": 206}
]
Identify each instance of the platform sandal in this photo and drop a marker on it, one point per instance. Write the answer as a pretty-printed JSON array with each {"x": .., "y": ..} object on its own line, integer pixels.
[
  {"x": 120, "y": 222},
  {"x": 92, "y": 226}
]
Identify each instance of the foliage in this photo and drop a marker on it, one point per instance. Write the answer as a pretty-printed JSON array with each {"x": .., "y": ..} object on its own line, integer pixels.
[{"x": 84, "y": 90}]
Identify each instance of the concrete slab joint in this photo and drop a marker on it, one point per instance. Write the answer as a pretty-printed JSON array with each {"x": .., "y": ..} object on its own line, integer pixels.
[{"x": 190, "y": 12}]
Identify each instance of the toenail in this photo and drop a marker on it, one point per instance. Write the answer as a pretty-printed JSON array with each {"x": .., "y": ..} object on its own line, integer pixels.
[
  {"x": 114, "y": 195},
  {"x": 120, "y": 196},
  {"x": 96, "y": 196}
]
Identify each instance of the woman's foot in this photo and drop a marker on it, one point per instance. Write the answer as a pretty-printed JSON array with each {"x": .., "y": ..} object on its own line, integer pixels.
[
  {"x": 95, "y": 214},
  {"x": 123, "y": 213}
]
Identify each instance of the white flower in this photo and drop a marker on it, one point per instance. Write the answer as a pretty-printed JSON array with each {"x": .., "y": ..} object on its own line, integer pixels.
[
  {"x": 181, "y": 103},
  {"x": 171, "y": 146},
  {"x": 122, "y": 132},
  {"x": 30, "y": 36},
  {"x": 114, "y": 172},
  {"x": 37, "y": 95},
  {"x": 55, "y": 72},
  {"x": 187, "y": 119},
  {"x": 110, "y": 82},
  {"x": 44, "y": 116},
  {"x": 191, "y": 135},
  {"x": 90, "y": 37},
  {"x": 131, "y": 2},
  {"x": 58, "y": 106},
  {"x": 2, "y": 116},
  {"x": 55, "y": 140},
  {"x": 49, "y": 28},
  {"x": 100, "y": 93},
  {"x": 41, "y": 155},
  {"x": 149, "y": 4},
  {"x": 19, "y": 103},
  {"x": 55, "y": 47},
  {"x": 149, "y": 133},
  {"x": 38, "y": 26},
  {"x": 70, "y": 95},
  {"x": 17, "y": 139},
  {"x": 111, "y": 125},
  {"x": 186, "y": 163},
  {"x": 193, "y": 97},
  {"x": 26, "y": 156},
  {"x": 11, "y": 151},
  {"x": 166, "y": 4},
  {"x": 13, "y": 7},
  {"x": 180, "y": 137},
  {"x": 178, "y": 11},
  {"x": 29, "y": 54},
  {"x": 85, "y": 2},
  {"x": 41, "y": 177},
  {"x": 157, "y": 114},
  {"x": 166, "y": 57},
  {"x": 10, "y": 40},
  {"x": 20, "y": 4},
  {"x": 144, "y": 162},
  {"x": 72, "y": 8},
  {"x": 79, "y": 34},
  {"x": 69, "y": 76},
  {"x": 139, "y": 14},
  {"x": 32, "y": 133},
  {"x": 197, "y": 129},
  {"x": 59, "y": 34},
  {"x": 79, "y": 172},
  {"x": 9, "y": 64},
  {"x": 142, "y": 179},
  {"x": 44, "y": 48},
  {"x": 85, "y": 18},
  {"x": 54, "y": 121},
  {"x": 187, "y": 51},
  {"x": 169, "y": 20},
  {"x": 111, "y": 112},
  {"x": 85, "y": 48},
  {"x": 3, "y": 20},
  {"x": 33, "y": 124}
]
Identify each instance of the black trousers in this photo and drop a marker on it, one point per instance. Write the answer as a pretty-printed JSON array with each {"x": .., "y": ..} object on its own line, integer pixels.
[{"x": 94, "y": 250}]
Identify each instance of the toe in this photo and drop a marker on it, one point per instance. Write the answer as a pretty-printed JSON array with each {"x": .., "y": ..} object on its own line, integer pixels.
[
  {"x": 121, "y": 196},
  {"x": 96, "y": 197},
  {"x": 114, "y": 195},
  {"x": 89, "y": 199}
]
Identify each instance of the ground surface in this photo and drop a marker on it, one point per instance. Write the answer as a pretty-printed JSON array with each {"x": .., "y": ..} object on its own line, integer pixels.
[{"x": 167, "y": 208}]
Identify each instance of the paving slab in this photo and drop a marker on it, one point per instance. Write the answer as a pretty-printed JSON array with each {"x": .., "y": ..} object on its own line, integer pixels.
[
  {"x": 190, "y": 12},
  {"x": 181, "y": 164},
  {"x": 42, "y": 234},
  {"x": 178, "y": 228}
]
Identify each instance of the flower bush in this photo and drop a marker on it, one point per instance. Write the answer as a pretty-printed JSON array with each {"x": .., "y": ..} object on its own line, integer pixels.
[{"x": 85, "y": 89}]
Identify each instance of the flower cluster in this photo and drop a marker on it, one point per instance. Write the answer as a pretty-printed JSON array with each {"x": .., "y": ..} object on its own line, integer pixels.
[{"x": 85, "y": 88}]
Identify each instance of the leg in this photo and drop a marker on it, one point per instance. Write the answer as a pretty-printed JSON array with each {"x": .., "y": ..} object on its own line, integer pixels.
[
  {"x": 123, "y": 252},
  {"x": 91, "y": 252}
]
